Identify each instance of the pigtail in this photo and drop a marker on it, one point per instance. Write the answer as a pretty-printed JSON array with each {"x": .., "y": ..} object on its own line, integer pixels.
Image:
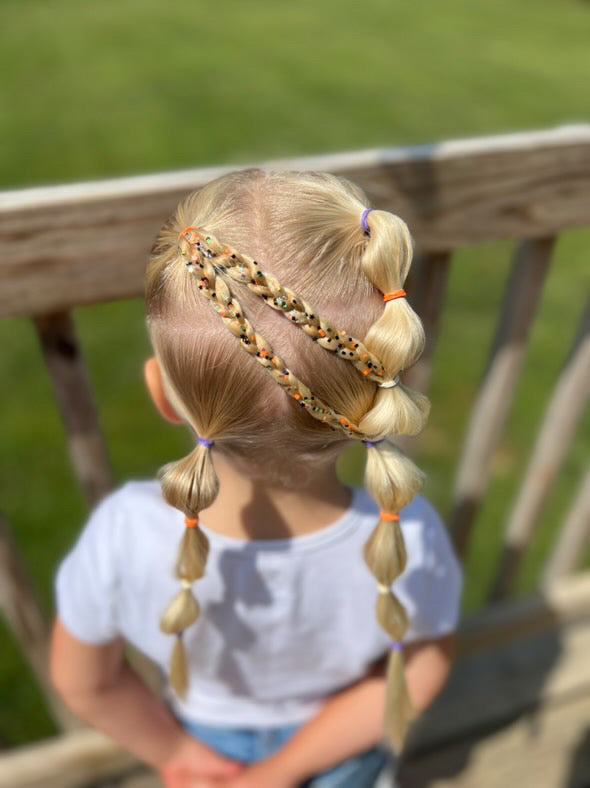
[
  {"x": 397, "y": 339},
  {"x": 190, "y": 485},
  {"x": 392, "y": 480}
]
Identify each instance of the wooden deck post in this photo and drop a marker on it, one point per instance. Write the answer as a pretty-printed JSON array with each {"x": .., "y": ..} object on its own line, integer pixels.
[
  {"x": 495, "y": 396},
  {"x": 564, "y": 411},
  {"x": 574, "y": 536},
  {"x": 73, "y": 392},
  {"x": 23, "y": 613}
]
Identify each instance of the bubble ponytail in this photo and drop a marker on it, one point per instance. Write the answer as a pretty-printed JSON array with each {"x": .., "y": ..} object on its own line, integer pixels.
[
  {"x": 397, "y": 339},
  {"x": 392, "y": 480},
  {"x": 190, "y": 485}
]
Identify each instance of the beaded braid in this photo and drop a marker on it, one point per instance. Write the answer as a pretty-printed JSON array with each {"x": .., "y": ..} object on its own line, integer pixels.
[
  {"x": 215, "y": 289},
  {"x": 204, "y": 246}
]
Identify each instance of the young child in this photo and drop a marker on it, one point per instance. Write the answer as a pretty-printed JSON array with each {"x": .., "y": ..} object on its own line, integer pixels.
[{"x": 280, "y": 326}]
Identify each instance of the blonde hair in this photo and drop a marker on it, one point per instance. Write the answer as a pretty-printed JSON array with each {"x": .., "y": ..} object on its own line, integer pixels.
[{"x": 305, "y": 230}]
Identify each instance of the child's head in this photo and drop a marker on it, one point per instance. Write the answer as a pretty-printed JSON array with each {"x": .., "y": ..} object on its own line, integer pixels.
[
  {"x": 305, "y": 229},
  {"x": 266, "y": 389}
]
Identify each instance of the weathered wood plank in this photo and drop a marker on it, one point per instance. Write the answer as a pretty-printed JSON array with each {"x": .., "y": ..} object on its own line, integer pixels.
[
  {"x": 513, "y": 658},
  {"x": 565, "y": 409},
  {"x": 75, "y": 245},
  {"x": 574, "y": 536},
  {"x": 77, "y": 759},
  {"x": 547, "y": 748},
  {"x": 488, "y": 418},
  {"x": 19, "y": 605},
  {"x": 76, "y": 404},
  {"x": 499, "y": 684},
  {"x": 565, "y": 601}
]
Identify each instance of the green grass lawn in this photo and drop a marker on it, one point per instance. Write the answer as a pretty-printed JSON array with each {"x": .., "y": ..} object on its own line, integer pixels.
[{"x": 112, "y": 88}]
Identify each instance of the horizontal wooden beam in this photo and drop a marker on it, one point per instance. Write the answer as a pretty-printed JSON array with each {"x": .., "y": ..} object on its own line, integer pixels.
[
  {"x": 79, "y": 758},
  {"x": 88, "y": 243},
  {"x": 514, "y": 658},
  {"x": 563, "y": 602},
  {"x": 541, "y": 748}
]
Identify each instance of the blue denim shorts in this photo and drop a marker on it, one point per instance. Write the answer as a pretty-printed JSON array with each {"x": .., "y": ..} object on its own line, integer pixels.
[{"x": 251, "y": 745}]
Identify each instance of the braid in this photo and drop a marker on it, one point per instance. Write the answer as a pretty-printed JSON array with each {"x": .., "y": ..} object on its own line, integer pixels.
[
  {"x": 245, "y": 270},
  {"x": 215, "y": 289}
]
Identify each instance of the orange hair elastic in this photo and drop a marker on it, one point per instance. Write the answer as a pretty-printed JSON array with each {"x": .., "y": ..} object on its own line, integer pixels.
[
  {"x": 187, "y": 230},
  {"x": 389, "y": 518},
  {"x": 191, "y": 522},
  {"x": 392, "y": 296}
]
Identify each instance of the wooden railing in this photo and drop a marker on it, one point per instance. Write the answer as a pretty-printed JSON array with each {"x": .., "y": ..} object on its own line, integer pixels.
[{"x": 67, "y": 246}]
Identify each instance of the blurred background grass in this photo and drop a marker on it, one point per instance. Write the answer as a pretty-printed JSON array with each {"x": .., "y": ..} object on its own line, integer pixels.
[{"x": 115, "y": 88}]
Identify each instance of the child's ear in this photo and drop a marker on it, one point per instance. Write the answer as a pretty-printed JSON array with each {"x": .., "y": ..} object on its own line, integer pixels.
[{"x": 155, "y": 386}]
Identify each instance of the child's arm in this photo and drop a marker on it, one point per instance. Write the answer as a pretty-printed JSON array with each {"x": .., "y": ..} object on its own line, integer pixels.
[
  {"x": 99, "y": 687},
  {"x": 351, "y": 721}
]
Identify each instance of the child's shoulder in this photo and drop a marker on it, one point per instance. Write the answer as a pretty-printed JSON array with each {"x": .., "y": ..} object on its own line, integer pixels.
[
  {"x": 134, "y": 505},
  {"x": 145, "y": 494}
]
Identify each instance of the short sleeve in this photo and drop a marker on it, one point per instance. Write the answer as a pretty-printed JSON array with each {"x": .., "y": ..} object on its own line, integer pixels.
[
  {"x": 86, "y": 580},
  {"x": 432, "y": 583}
]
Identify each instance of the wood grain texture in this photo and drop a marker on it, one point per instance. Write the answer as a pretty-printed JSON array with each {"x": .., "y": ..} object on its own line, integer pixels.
[
  {"x": 492, "y": 405},
  {"x": 88, "y": 243}
]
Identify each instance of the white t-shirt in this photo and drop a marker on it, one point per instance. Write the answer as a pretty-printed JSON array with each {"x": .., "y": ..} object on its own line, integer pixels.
[{"x": 283, "y": 622}]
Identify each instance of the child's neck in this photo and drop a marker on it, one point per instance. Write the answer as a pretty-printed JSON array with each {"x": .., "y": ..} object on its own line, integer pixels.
[{"x": 249, "y": 509}]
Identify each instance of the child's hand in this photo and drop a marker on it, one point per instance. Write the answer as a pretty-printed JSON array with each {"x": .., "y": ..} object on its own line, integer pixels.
[
  {"x": 267, "y": 773},
  {"x": 195, "y": 764}
]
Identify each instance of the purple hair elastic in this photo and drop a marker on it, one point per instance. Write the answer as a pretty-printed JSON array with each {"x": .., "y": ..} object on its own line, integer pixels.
[
  {"x": 364, "y": 222},
  {"x": 372, "y": 444},
  {"x": 206, "y": 443},
  {"x": 394, "y": 646}
]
